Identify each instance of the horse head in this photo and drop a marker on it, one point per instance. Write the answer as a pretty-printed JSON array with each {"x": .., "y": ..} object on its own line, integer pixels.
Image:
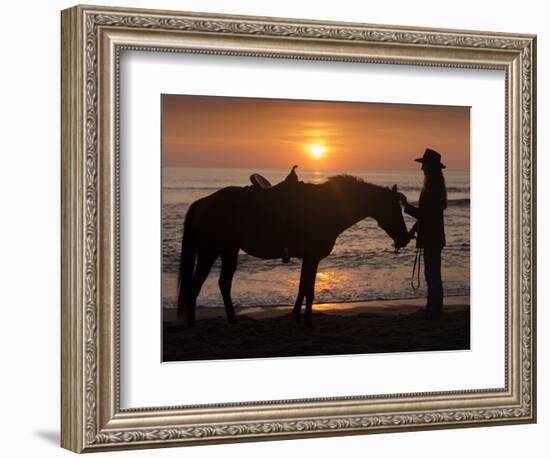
[{"x": 390, "y": 218}]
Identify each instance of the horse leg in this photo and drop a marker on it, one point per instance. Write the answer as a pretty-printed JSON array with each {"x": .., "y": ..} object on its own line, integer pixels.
[
  {"x": 309, "y": 289},
  {"x": 204, "y": 264},
  {"x": 229, "y": 265},
  {"x": 301, "y": 294},
  {"x": 298, "y": 306}
]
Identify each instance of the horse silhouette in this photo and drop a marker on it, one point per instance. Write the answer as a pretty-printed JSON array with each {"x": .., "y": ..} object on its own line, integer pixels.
[{"x": 304, "y": 218}]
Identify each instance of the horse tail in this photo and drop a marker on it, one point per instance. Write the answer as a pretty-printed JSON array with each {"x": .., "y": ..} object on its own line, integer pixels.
[{"x": 188, "y": 256}]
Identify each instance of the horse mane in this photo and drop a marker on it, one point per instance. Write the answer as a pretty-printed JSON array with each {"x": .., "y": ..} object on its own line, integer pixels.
[{"x": 349, "y": 181}]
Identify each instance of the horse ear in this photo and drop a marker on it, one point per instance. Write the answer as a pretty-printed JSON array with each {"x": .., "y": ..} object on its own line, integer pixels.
[{"x": 394, "y": 188}]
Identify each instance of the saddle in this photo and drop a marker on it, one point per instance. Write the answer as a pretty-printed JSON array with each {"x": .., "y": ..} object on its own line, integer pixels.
[
  {"x": 259, "y": 181},
  {"x": 272, "y": 204}
]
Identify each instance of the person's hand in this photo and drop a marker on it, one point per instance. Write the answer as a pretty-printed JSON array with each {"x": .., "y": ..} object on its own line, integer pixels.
[
  {"x": 402, "y": 198},
  {"x": 412, "y": 232}
]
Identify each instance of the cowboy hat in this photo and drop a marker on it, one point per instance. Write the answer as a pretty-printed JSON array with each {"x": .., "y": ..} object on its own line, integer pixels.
[{"x": 431, "y": 156}]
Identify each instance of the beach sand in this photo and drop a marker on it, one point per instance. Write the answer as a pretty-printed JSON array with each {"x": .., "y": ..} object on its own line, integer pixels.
[{"x": 338, "y": 329}]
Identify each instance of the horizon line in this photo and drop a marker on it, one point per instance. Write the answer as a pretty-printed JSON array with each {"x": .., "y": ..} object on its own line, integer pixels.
[{"x": 305, "y": 169}]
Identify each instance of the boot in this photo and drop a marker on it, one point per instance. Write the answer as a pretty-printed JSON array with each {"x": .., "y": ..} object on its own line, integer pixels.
[
  {"x": 286, "y": 256},
  {"x": 434, "y": 309}
]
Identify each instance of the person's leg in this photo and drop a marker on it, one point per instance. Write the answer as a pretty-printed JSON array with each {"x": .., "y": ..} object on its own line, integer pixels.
[
  {"x": 427, "y": 276},
  {"x": 438, "y": 282},
  {"x": 432, "y": 273}
]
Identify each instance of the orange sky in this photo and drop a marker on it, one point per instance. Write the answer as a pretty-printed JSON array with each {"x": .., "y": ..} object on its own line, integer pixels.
[{"x": 200, "y": 131}]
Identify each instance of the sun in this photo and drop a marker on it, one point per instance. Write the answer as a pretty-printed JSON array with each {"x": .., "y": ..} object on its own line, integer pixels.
[{"x": 317, "y": 150}]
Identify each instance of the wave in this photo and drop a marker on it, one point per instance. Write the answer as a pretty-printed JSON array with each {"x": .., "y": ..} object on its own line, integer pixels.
[
  {"x": 458, "y": 202},
  {"x": 462, "y": 202},
  {"x": 347, "y": 259},
  {"x": 254, "y": 300},
  {"x": 192, "y": 188},
  {"x": 215, "y": 187}
]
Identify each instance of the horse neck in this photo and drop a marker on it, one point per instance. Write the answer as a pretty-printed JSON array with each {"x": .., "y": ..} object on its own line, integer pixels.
[{"x": 356, "y": 203}]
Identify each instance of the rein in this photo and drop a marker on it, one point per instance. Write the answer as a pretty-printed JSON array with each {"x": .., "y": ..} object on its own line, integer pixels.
[{"x": 416, "y": 269}]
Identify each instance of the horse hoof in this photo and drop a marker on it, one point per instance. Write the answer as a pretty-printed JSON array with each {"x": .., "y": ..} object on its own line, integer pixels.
[
  {"x": 307, "y": 322},
  {"x": 232, "y": 320},
  {"x": 296, "y": 317}
]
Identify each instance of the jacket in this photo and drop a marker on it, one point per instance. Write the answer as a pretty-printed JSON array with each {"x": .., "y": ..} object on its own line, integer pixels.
[{"x": 429, "y": 213}]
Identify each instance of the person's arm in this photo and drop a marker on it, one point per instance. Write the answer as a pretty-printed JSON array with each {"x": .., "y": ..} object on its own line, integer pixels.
[
  {"x": 432, "y": 203},
  {"x": 407, "y": 207},
  {"x": 412, "y": 210},
  {"x": 412, "y": 232}
]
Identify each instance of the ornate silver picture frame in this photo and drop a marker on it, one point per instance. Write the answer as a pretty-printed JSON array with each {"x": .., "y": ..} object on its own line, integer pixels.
[{"x": 93, "y": 39}]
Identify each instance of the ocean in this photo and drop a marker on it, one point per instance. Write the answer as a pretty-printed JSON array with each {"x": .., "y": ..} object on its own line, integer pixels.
[{"x": 362, "y": 266}]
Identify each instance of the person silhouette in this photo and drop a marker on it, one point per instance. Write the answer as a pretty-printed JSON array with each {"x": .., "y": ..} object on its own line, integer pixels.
[{"x": 429, "y": 228}]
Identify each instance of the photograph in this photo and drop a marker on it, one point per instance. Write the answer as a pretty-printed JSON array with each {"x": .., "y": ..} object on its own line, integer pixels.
[
  {"x": 295, "y": 228},
  {"x": 271, "y": 219}
]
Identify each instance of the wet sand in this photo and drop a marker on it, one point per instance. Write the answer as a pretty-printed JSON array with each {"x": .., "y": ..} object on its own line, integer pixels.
[{"x": 342, "y": 328}]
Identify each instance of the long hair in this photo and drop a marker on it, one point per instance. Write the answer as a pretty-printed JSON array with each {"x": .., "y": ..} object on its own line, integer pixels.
[{"x": 434, "y": 181}]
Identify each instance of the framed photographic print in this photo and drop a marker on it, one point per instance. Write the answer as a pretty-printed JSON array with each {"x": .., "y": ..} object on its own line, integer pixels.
[
  {"x": 278, "y": 228},
  {"x": 317, "y": 222}
]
